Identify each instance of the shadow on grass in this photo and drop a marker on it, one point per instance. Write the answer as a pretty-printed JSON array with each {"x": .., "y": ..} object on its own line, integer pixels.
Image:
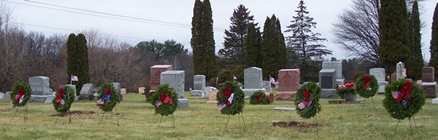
[{"x": 294, "y": 124}]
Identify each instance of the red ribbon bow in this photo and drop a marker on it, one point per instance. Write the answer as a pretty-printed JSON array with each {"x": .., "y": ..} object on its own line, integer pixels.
[
  {"x": 367, "y": 80},
  {"x": 108, "y": 91},
  {"x": 227, "y": 94},
  {"x": 60, "y": 95},
  {"x": 349, "y": 85},
  {"x": 405, "y": 91},
  {"x": 260, "y": 97},
  {"x": 19, "y": 95},
  {"x": 307, "y": 96},
  {"x": 166, "y": 99}
]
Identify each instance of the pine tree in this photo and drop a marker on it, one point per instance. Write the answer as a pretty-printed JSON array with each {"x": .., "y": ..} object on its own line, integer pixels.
[
  {"x": 305, "y": 43},
  {"x": 434, "y": 43},
  {"x": 273, "y": 48},
  {"x": 202, "y": 42},
  {"x": 83, "y": 71},
  {"x": 394, "y": 38},
  {"x": 416, "y": 61},
  {"x": 234, "y": 44},
  {"x": 71, "y": 59},
  {"x": 253, "y": 55},
  {"x": 303, "y": 40}
]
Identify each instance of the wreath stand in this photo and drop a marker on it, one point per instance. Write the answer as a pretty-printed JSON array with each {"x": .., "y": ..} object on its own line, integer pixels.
[
  {"x": 241, "y": 123},
  {"x": 173, "y": 122},
  {"x": 411, "y": 133},
  {"x": 24, "y": 115},
  {"x": 68, "y": 112},
  {"x": 364, "y": 102},
  {"x": 111, "y": 117}
]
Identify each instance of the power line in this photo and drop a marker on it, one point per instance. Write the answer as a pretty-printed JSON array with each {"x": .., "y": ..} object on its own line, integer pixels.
[{"x": 103, "y": 14}]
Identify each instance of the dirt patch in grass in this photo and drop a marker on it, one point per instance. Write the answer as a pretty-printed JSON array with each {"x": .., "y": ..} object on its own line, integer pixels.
[
  {"x": 75, "y": 114},
  {"x": 294, "y": 124},
  {"x": 5, "y": 109}
]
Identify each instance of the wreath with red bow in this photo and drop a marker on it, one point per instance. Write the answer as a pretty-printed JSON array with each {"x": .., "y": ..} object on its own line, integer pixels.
[
  {"x": 403, "y": 98},
  {"x": 63, "y": 99},
  {"x": 259, "y": 97},
  {"x": 20, "y": 94},
  {"x": 230, "y": 98},
  {"x": 107, "y": 97},
  {"x": 366, "y": 85},
  {"x": 165, "y": 100},
  {"x": 307, "y": 100}
]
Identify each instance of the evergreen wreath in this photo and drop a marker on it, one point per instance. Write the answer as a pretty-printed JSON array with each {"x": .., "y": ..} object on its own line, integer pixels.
[
  {"x": 307, "y": 100},
  {"x": 366, "y": 85},
  {"x": 230, "y": 98},
  {"x": 348, "y": 88},
  {"x": 165, "y": 100},
  {"x": 259, "y": 97},
  {"x": 20, "y": 94},
  {"x": 403, "y": 98},
  {"x": 107, "y": 97},
  {"x": 63, "y": 99}
]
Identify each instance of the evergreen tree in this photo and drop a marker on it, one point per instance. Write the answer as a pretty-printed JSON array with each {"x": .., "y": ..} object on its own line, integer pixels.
[
  {"x": 234, "y": 44},
  {"x": 253, "y": 55},
  {"x": 202, "y": 42},
  {"x": 72, "y": 61},
  {"x": 416, "y": 61},
  {"x": 394, "y": 38},
  {"x": 304, "y": 43},
  {"x": 77, "y": 59},
  {"x": 434, "y": 43},
  {"x": 303, "y": 40},
  {"x": 273, "y": 48}
]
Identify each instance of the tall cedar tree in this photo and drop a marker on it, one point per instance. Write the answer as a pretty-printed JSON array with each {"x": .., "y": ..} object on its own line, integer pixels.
[
  {"x": 234, "y": 40},
  {"x": 434, "y": 43},
  {"x": 253, "y": 55},
  {"x": 202, "y": 42},
  {"x": 77, "y": 59},
  {"x": 273, "y": 48},
  {"x": 416, "y": 60},
  {"x": 304, "y": 43},
  {"x": 394, "y": 38}
]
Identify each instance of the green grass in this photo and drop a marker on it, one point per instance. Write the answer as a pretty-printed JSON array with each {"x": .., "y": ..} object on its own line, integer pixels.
[{"x": 203, "y": 121}]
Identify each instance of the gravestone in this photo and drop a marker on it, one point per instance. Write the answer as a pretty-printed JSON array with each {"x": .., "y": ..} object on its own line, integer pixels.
[
  {"x": 154, "y": 79},
  {"x": 141, "y": 90},
  {"x": 399, "y": 70},
  {"x": 337, "y": 66},
  {"x": 41, "y": 90},
  {"x": 428, "y": 84},
  {"x": 123, "y": 91},
  {"x": 206, "y": 91},
  {"x": 267, "y": 85},
  {"x": 327, "y": 83},
  {"x": 379, "y": 73},
  {"x": 2, "y": 95},
  {"x": 212, "y": 97},
  {"x": 175, "y": 79},
  {"x": 7, "y": 95},
  {"x": 288, "y": 84},
  {"x": 198, "y": 84},
  {"x": 253, "y": 80},
  {"x": 117, "y": 86},
  {"x": 86, "y": 92},
  {"x": 435, "y": 101}
]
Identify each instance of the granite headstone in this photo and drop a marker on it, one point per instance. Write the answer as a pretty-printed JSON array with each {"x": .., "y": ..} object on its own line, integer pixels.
[{"x": 175, "y": 79}]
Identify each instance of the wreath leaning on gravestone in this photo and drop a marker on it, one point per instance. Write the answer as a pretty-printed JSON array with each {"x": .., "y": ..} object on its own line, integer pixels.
[
  {"x": 403, "y": 98},
  {"x": 259, "y": 97},
  {"x": 107, "y": 97},
  {"x": 165, "y": 100},
  {"x": 20, "y": 94},
  {"x": 230, "y": 98},
  {"x": 366, "y": 85},
  {"x": 63, "y": 99},
  {"x": 307, "y": 100}
]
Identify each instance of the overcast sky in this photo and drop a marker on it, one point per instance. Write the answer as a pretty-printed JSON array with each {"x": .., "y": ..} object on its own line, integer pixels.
[{"x": 133, "y": 21}]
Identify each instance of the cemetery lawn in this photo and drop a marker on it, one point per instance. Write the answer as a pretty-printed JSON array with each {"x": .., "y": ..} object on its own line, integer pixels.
[{"x": 203, "y": 121}]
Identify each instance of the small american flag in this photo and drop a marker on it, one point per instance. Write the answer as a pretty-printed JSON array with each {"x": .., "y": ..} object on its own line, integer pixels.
[{"x": 74, "y": 78}]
